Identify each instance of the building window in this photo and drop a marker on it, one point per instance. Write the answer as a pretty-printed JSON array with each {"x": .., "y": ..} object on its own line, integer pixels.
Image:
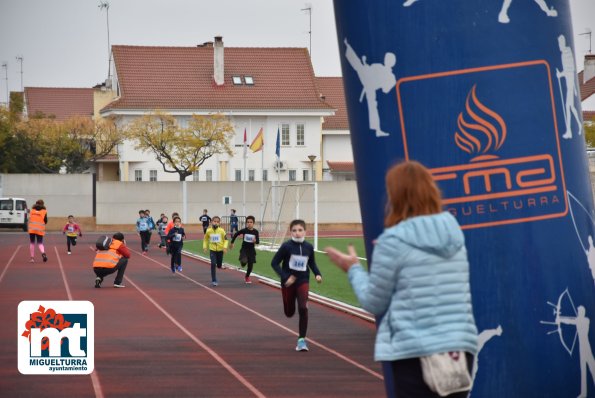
[
  {"x": 305, "y": 174},
  {"x": 238, "y": 175},
  {"x": 209, "y": 175},
  {"x": 195, "y": 176},
  {"x": 285, "y": 134},
  {"x": 138, "y": 175},
  {"x": 251, "y": 175},
  {"x": 236, "y": 80},
  {"x": 265, "y": 175},
  {"x": 249, "y": 80},
  {"x": 300, "y": 134},
  {"x": 152, "y": 175},
  {"x": 292, "y": 175}
]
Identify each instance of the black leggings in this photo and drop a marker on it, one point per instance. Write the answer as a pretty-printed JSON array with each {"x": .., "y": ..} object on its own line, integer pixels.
[
  {"x": 176, "y": 256},
  {"x": 70, "y": 240},
  {"x": 409, "y": 383},
  {"x": 292, "y": 294}
]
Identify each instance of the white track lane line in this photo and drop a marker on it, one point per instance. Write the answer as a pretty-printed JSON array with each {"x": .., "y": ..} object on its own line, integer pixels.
[
  {"x": 201, "y": 344},
  {"x": 94, "y": 376},
  {"x": 313, "y": 342},
  {"x": 9, "y": 261}
]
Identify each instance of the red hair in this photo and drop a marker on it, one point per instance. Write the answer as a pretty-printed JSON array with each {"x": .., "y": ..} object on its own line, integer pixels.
[{"x": 411, "y": 192}]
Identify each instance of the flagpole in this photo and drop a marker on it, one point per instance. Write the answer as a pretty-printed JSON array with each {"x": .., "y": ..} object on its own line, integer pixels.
[
  {"x": 262, "y": 180},
  {"x": 245, "y": 177}
]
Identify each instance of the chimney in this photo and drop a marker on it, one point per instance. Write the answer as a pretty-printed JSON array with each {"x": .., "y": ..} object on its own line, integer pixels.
[
  {"x": 218, "y": 61},
  {"x": 589, "y": 71}
]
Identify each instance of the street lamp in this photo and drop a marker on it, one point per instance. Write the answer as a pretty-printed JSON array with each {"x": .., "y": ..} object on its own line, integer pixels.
[{"x": 311, "y": 157}]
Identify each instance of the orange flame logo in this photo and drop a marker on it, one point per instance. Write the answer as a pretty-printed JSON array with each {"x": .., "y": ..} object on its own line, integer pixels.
[{"x": 480, "y": 129}]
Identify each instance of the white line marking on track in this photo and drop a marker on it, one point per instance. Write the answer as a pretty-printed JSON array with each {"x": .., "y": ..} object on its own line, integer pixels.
[
  {"x": 9, "y": 261},
  {"x": 202, "y": 345},
  {"x": 94, "y": 376},
  {"x": 313, "y": 342}
]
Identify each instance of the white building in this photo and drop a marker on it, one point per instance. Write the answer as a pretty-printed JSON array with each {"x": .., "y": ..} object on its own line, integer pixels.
[
  {"x": 586, "y": 80},
  {"x": 270, "y": 88}
]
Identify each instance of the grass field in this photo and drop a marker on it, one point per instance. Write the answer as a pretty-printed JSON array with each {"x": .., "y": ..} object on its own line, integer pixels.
[{"x": 334, "y": 284}]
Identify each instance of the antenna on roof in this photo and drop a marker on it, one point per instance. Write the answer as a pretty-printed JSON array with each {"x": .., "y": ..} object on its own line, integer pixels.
[
  {"x": 20, "y": 59},
  {"x": 587, "y": 32},
  {"x": 105, "y": 5},
  {"x": 308, "y": 8},
  {"x": 5, "y": 66}
]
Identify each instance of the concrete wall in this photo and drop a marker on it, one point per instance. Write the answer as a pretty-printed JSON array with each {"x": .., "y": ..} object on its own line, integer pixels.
[
  {"x": 118, "y": 203},
  {"x": 63, "y": 194}
]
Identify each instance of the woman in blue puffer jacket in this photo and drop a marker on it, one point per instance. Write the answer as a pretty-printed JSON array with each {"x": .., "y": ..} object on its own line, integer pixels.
[{"x": 418, "y": 281}]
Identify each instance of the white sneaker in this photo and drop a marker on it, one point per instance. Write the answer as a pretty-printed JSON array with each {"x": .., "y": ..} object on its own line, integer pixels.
[
  {"x": 69, "y": 253},
  {"x": 118, "y": 285}
]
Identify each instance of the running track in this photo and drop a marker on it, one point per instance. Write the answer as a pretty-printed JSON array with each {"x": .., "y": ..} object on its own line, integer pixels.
[{"x": 168, "y": 335}]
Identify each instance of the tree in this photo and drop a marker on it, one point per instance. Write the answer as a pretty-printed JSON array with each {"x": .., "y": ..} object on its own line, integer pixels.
[
  {"x": 182, "y": 150},
  {"x": 45, "y": 145},
  {"x": 87, "y": 141}
]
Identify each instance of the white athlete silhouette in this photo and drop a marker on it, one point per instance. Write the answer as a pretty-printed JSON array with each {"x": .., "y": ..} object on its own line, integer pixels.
[
  {"x": 373, "y": 77},
  {"x": 582, "y": 323},
  {"x": 591, "y": 257},
  {"x": 586, "y": 358},
  {"x": 568, "y": 72},
  {"x": 482, "y": 339},
  {"x": 588, "y": 247},
  {"x": 503, "y": 15}
]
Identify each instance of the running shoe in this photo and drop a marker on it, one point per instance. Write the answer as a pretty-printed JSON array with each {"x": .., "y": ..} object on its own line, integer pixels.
[
  {"x": 45, "y": 258},
  {"x": 301, "y": 345},
  {"x": 118, "y": 285},
  {"x": 69, "y": 253},
  {"x": 144, "y": 253},
  {"x": 214, "y": 283},
  {"x": 179, "y": 268},
  {"x": 98, "y": 281},
  {"x": 32, "y": 260},
  {"x": 248, "y": 281}
]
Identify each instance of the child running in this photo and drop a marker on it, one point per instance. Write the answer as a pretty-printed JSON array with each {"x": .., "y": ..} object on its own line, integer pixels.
[
  {"x": 161, "y": 227},
  {"x": 176, "y": 236},
  {"x": 247, "y": 251},
  {"x": 142, "y": 227},
  {"x": 38, "y": 218},
  {"x": 292, "y": 263},
  {"x": 168, "y": 227},
  {"x": 217, "y": 244},
  {"x": 205, "y": 219},
  {"x": 71, "y": 229}
]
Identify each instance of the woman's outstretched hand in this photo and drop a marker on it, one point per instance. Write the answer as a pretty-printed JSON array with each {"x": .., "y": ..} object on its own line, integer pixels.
[{"x": 342, "y": 260}]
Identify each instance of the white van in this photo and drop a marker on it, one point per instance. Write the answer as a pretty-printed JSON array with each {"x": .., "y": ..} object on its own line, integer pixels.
[{"x": 14, "y": 213}]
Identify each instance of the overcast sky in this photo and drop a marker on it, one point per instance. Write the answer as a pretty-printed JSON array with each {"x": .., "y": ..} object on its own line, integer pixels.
[{"x": 64, "y": 42}]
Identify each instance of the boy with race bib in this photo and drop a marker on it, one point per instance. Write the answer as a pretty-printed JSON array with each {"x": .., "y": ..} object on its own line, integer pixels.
[
  {"x": 292, "y": 263},
  {"x": 247, "y": 251},
  {"x": 216, "y": 241},
  {"x": 176, "y": 236}
]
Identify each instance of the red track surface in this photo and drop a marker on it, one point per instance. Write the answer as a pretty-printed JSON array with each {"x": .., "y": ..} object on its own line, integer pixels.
[{"x": 168, "y": 335}]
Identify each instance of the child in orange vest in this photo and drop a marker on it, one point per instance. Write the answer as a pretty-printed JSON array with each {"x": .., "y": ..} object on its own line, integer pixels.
[{"x": 38, "y": 218}]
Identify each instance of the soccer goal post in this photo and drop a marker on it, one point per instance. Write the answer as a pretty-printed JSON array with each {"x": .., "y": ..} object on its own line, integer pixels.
[{"x": 284, "y": 203}]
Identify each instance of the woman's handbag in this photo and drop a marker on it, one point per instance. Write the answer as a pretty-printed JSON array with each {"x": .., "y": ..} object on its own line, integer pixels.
[{"x": 446, "y": 373}]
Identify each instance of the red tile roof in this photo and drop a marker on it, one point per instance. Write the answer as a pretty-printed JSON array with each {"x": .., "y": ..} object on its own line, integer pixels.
[
  {"x": 60, "y": 103},
  {"x": 181, "y": 78},
  {"x": 344, "y": 167},
  {"x": 587, "y": 89},
  {"x": 331, "y": 88}
]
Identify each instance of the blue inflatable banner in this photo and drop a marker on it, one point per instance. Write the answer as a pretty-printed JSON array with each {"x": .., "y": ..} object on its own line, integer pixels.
[{"x": 485, "y": 94}]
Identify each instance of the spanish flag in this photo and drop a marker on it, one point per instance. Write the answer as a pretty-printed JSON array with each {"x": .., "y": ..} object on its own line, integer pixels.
[{"x": 258, "y": 141}]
